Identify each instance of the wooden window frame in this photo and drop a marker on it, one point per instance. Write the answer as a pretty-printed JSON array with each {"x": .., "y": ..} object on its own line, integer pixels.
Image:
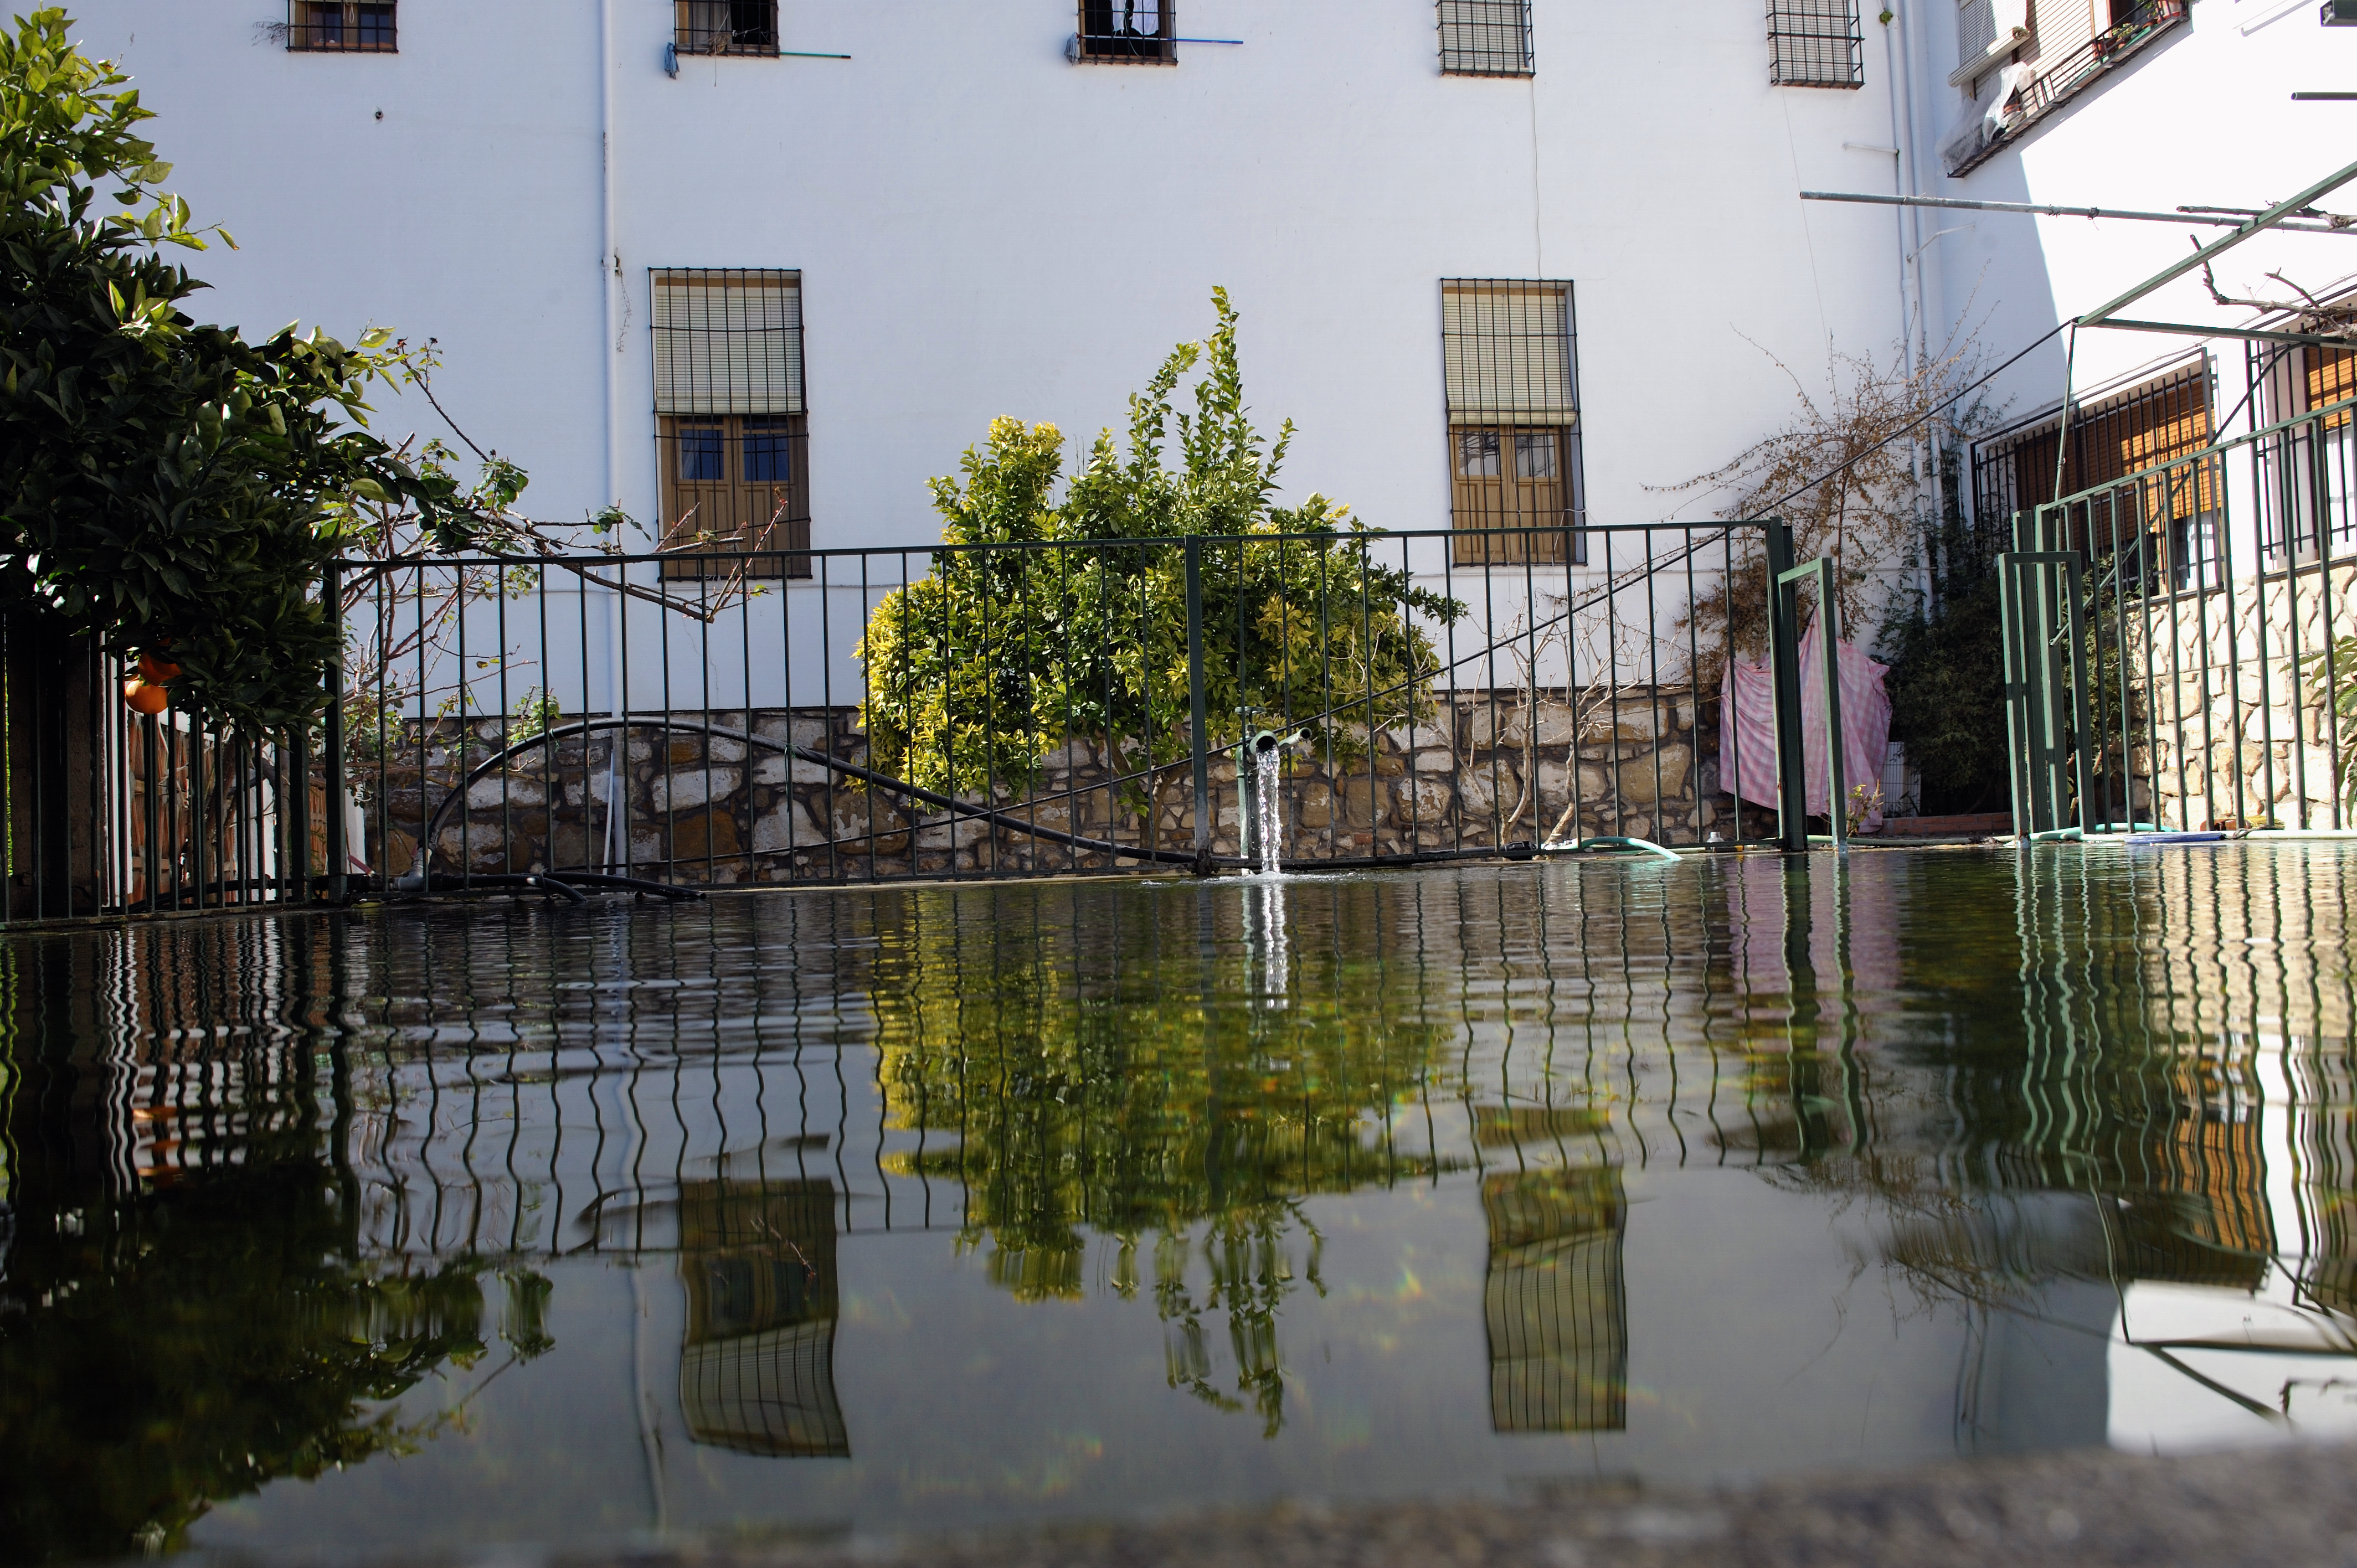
[
  {"x": 305, "y": 29},
  {"x": 728, "y": 359},
  {"x": 1511, "y": 498},
  {"x": 691, "y": 502}
]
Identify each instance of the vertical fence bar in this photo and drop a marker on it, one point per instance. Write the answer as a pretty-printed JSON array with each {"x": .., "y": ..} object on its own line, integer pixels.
[
  {"x": 1784, "y": 660},
  {"x": 199, "y": 832},
  {"x": 2083, "y": 719},
  {"x": 1199, "y": 739},
  {"x": 331, "y": 598}
]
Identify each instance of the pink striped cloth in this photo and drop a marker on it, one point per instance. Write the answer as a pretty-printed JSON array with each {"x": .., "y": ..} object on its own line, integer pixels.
[{"x": 1747, "y": 725}]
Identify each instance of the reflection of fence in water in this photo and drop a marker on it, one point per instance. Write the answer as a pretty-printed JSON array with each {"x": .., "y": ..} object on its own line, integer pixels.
[{"x": 709, "y": 1095}]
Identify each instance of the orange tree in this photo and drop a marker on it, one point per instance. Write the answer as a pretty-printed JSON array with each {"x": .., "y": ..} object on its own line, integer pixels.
[{"x": 1047, "y": 618}]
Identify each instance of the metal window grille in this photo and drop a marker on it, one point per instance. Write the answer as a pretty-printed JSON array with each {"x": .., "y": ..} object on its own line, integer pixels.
[
  {"x": 1814, "y": 43},
  {"x": 757, "y": 1372},
  {"x": 1509, "y": 354},
  {"x": 1128, "y": 32},
  {"x": 732, "y": 419},
  {"x": 344, "y": 26},
  {"x": 2158, "y": 422},
  {"x": 2308, "y": 477},
  {"x": 725, "y": 27},
  {"x": 1485, "y": 38}
]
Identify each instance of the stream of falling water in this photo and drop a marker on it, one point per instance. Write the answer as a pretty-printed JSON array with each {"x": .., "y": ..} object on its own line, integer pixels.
[{"x": 1271, "y": 811}]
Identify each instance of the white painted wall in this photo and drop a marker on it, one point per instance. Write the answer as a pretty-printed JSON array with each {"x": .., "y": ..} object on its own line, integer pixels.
[
  {"x": 984, "y": 228},
  {"x": 2204, "y": 116}
]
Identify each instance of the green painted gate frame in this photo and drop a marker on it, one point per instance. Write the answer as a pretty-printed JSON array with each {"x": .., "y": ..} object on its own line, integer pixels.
[
  {"x": 2047, "y": 726},
  {"x": 1792, "y": 761}
]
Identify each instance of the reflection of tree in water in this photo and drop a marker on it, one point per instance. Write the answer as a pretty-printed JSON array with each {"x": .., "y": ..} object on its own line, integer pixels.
[
  {"x": 1251, "y": 1272},
  {"x": 187, "y": 1335},
  {"x": 160, "y": 1355},
  {"x": 1126, "y": 1074}
]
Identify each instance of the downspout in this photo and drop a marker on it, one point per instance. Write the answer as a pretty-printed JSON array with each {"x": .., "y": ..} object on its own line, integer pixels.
[
  {"x": 610, "y": 268},
  {"x": 1899, "y": 54}
]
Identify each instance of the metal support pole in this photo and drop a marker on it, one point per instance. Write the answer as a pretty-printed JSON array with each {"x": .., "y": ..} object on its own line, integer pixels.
[
  {"x": 332, "y": 600},
  {"x": 2016, "y": 695},
  {"x": 1787, "y": 585},
  {"x": 2039, "y": 599},
  {"x": 1837, "y": 763},
  {"x": 2262, "y": 222},
  {"x": 1200, "y": 735},
  {"x": 1784, "y": 681}
]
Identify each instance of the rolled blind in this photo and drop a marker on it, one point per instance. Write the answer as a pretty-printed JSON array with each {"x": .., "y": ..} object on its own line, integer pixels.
[
  {"x": 1508, "y": 352},
  {"x": 728, "y": 342}
]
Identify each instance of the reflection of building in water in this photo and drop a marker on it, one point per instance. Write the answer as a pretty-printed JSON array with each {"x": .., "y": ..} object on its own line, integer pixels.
[
  {"x": 757, "y": 1372},
  {"x": 2194, "y": 1208},
  {"x": 1556, "y": 1303}
]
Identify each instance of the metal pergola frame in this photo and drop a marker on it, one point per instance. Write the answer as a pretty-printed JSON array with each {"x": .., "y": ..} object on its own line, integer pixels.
[{"x": 2282, "y": 216}]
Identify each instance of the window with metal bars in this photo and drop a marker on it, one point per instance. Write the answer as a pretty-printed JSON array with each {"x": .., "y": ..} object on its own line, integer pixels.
[
  {"x": 1485, "y": 38},
  {"x": 1128, "y": 32},
  {"x": 1814, "y": 43},
  {"x": 2170, "y": 520},
  {"x": 731, "y": 418},
  {"x": 342, "y": 27},
  {"x": 725, "y": 27},
  {"x": 2307, "y": 473},
  {"x": 1509, "y": 349}
]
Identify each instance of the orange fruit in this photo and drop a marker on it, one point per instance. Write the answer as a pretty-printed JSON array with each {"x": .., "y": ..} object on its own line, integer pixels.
[
  {"x": 157, "y": 670},
  {"x": 142, "y": 698}
]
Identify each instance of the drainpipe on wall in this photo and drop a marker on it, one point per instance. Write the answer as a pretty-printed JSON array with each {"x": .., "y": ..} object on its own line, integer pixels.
[
  {"x": 1899, "y": 57},
  {"x": 610, "y": 268}
]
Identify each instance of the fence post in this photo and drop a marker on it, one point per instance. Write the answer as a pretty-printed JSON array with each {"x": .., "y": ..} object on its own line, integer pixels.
[
  {"x": 1784, "y": 680},
  {"x": 1836, "y": 761},
  {"x": 294, "y": 815},
  {"x": 1199, "y": 736},
  {"x": 332, "y": 600},
  {"x": 2017, "y": 686}
]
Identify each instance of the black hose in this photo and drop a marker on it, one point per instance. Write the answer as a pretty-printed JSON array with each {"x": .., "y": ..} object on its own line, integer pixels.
[{"x": 412, "y": 881}]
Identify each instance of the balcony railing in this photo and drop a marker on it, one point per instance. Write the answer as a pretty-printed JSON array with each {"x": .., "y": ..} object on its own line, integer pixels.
[{"x": 2073, "y": 74}]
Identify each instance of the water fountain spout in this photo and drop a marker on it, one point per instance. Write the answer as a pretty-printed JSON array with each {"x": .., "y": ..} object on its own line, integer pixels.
[{"x": 1261, "y": 754}]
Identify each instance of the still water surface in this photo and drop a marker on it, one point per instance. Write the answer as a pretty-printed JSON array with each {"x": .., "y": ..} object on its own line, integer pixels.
[{"x": 825, "y": 1213}]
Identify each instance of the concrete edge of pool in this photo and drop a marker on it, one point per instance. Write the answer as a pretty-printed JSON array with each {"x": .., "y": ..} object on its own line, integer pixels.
[{"x": 2285, "y": 1504}]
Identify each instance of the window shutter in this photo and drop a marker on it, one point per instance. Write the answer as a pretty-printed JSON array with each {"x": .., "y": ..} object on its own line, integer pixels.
[
  {"x": 2061, "y": 27},
  {"x": 1507, "y": 353},
  {"x": 728, "y": 342}
]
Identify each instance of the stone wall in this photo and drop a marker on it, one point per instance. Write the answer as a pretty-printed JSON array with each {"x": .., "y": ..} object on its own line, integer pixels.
[
  {"x": 701, "y": 809},
  {"x": 2262, "y": 723}
]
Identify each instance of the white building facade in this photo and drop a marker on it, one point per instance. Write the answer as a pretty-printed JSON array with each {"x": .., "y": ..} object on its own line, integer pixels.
[{"x": 716, "y": 257}]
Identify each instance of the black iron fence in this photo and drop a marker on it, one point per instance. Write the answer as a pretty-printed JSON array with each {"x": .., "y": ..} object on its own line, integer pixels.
[
  {"x": 1025, "y": 708},
  {"x": 679, "y": 720},
  {"x": 112, "y": 811}
]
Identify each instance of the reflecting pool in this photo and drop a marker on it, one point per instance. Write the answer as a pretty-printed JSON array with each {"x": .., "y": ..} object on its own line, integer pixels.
[{"x": 823, "y": 1213}]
